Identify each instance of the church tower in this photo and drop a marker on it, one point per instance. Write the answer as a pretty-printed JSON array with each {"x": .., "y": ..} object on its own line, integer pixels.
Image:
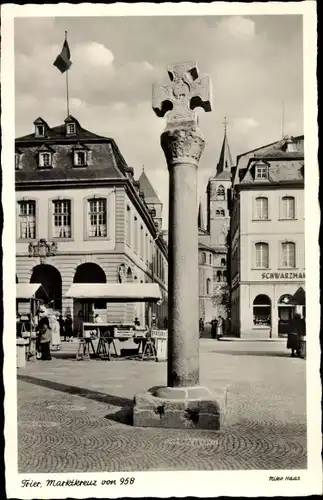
[
  {"x": 200, "y": 220},
  {"x": 151, "y": 198},
  {"x": 218, "y": 192}
]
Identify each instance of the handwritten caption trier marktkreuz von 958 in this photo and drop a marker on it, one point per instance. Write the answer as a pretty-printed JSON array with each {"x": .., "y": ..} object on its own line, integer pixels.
[{"x": 123, "y": 481}]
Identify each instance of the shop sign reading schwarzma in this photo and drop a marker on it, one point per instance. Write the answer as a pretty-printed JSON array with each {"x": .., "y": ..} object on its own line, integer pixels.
[{"x": 283, "y": 276}]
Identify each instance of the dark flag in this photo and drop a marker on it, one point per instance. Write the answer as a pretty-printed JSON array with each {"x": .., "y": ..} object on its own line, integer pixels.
[{"x": 63, "y": 60}]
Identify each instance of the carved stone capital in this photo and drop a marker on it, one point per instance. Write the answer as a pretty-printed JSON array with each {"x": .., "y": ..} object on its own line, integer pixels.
[{"x": 183, "y": 144}]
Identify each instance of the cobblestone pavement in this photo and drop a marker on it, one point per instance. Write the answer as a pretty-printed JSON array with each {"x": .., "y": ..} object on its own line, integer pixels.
[{"x": 74, "y": 415}]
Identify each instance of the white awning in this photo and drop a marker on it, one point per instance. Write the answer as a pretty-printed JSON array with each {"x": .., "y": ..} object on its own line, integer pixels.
[
  {"x": 28, "y": 290},
  {"x": 116, "y": 292}
]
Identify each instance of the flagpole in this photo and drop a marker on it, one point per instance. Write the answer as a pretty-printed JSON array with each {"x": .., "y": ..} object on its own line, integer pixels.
[{"x": 67, "y": 97}]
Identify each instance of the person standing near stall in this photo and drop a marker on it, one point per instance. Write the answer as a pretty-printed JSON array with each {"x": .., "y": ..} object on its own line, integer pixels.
[
  {"x": 97, "y": 319},
  {"x": 219, "y": 328},
  {"x": 61, "y": 326},
  {"x": 294, "y": 335},
  {"x": 214, "y": 324},
  {"x": 80, "y": 328},
  {"x": 56, "y": 338},
  {"x": 44, "y": 335},
  {"x": 68, "y": 328}
]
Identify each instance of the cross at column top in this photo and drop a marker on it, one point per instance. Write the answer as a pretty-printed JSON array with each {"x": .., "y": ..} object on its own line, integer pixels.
[{"x": 186, "y": 92}]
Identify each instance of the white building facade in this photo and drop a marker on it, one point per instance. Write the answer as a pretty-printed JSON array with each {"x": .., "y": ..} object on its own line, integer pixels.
[
  {"x": 267, "y": 238},
  {"x": 81, "y": 218}
]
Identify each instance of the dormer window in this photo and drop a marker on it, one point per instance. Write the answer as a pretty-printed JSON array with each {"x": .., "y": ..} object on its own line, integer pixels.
[
  {"x": 261, "y": 172},
  {"x": 45, "y": 156},
  {"x": 80, "y": 158},
  {"x": 71, "y": 128},
  {"x": 80, "y": 155},
  {"x": 291, "y": 146},
  {"x": 45, "y": 159},
  {"x": 39, "y": 131},
  {"x": 41, "y": 127},
  {"x": 17, "y": 160}
]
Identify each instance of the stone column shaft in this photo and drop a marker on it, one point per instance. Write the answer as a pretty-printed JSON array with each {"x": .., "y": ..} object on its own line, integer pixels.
[
  {"x": 183, "y": 301},
  {"x": 183, "y": 144}
]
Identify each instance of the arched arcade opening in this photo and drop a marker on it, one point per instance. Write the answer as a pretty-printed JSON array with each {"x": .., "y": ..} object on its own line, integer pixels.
[
  {"x": 50, "y": 278},
  {"x": 262, "y": 311},
  {"x": 88, "y": 273}
]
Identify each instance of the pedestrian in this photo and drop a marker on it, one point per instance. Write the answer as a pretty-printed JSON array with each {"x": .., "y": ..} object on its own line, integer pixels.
[
  {"x": 201, "y": 326},
  {"x": 61, "y": 326},
  {"x": 137, "y": 322},
  {"x": 165, "y": 323},
  {"x": 294, "y": 335},
  {"x": 219, "y": 328},
  {"x": 214, "y": 324},
  {"x": 54, "y": 325},
  {"x": 96, "y": 333},
  {"x": 80, "y": 327},
  {"x": 44, "y": 334},
  {"x": 97, "y": 319},
  {"x": 68, "y": 328}
]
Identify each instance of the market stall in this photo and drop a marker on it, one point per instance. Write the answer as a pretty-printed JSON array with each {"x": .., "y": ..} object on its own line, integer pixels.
[
  {"x": 29, "y": 296},
  {"x": 299, "y": 300},
  {"x": 107, "y": 332}
]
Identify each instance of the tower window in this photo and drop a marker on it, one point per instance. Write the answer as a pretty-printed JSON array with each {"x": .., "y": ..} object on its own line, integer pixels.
[{"x": 220, "y": 193}]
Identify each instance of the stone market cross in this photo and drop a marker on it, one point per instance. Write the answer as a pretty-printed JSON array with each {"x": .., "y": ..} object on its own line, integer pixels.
[
  {"x": 183, "y": 403},
  {"x": 186, "y": 92}
]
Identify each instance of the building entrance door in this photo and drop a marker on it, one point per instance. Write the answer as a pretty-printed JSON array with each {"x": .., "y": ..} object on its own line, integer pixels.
[{"x": 285, "y": 315}]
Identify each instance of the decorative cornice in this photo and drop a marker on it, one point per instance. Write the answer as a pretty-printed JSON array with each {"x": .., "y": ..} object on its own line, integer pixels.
[{"x": 297, "y": 184}]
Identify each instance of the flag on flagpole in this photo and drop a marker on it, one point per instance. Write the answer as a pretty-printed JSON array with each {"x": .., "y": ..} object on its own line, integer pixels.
[{"x": 63, "y": 60}]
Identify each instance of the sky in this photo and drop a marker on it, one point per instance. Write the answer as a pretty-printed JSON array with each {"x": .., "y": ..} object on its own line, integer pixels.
[{"x": 255, "y": 64}]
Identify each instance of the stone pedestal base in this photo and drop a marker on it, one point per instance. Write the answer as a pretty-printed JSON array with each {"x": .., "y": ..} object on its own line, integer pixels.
[{"x": 181, "y": 408}]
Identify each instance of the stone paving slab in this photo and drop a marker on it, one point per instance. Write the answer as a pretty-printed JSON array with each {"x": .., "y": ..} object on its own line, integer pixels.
[{"x": 76, "y": 416}]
